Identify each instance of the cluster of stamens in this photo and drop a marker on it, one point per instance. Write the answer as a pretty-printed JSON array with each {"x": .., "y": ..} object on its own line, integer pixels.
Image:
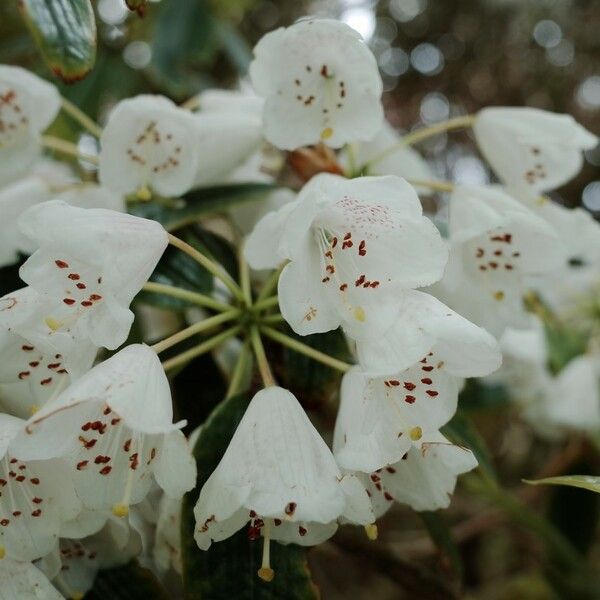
[
  {"x": 19, "y": 492},
  {"x": 151, "y": 143}
]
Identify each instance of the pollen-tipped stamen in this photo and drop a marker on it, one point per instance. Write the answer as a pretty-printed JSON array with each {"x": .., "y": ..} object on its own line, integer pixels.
[
  {"x": 265, "y": 572},
  {"x": 371, "y": 531}
]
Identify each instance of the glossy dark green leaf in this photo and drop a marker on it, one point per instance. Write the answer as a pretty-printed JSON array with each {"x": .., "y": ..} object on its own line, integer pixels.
[
  {"x": 477, "y": 397},
  {"x": 130, "y": 582},
  {"x": 9, "y": 278},
  {"x": 176, "y": 56},
  {"x": 179, "y": 270},
  {"x": 200, "y": 203},
  {"x": 460, "y": 430},
  {"x": 441, "y": 534},
  {"x": 308, "y": 379},
  {"x": 228, "y": 569},
  {"x": 65, "y": 33}
]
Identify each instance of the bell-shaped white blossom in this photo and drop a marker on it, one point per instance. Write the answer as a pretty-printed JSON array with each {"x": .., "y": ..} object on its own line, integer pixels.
[
  {"x": 352, "y": 245},
  {"x": 424, "y": 478},
  {"x": 380, "y": 418},
  {"x": 496, "y": 242},
  {"x": 424, "y": 326},
  {"x": 149, "y": 143},
  {"x": 113, "y": 426},
  {"x": 278, "y": 475},
  {"x": 229, "y": 130},
  {"x": 320, "y": 82},
  {"x": 23, "y": 580},
  {"x": 531, "y": 149},
  {"x": 89, "y": 265},
  {"x": 28, "y": 104},
  {"x": 36, "y": 496}
]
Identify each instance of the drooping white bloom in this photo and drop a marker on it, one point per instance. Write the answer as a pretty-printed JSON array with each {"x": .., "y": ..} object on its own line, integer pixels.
[
  {"x": 36, "y": 496},
  {"x": 113, "y": 426},
  {"x": 320, "y": 82},
  {"x": 279, "y": 475},
  {"x": 380, "y": 418},
  {"x": 149, "y": 142},
  {"x": 352, "y": 245},
  {"x": 28, "y": 104},
  {"x": 495, "y": 243},
  {"x": 229, "y": 130},
  {"x": 531, "y": 149},
  {"x": 424, "y": 478},
  {"x": 23, "y": 580},
  {"x": 89, "y": 265}
]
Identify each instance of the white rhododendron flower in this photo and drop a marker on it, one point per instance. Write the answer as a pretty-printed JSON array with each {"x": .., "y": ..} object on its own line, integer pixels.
[
  {"x": 149, "y": 144},
  {"x": 380, "y": 418},
  {"x": 80, "y": 269},
  {"x": 531, "y": 149},
  {"x": 25, "y": 581},
  {"x": 28, "y": 104},
  {"x": 423, "y": 327},
  {"x": 352, "y": 245},
  {"x": 320, "y": 82},
  {"x": 495, "y": 242},
  {"x": 114, "y": 428},
  {"x": 278, "y": 475},
  {"x": 424, "y": 478},
  {"x": 36, "y": 496}
]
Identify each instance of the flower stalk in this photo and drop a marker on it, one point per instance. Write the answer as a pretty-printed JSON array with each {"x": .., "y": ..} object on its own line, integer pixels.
[
  {"x": 420, "y": 135},
  {"x": 68, "y": 148},
  {"x": 182, "y": 294},
  {"x": 79, "y": 116}
]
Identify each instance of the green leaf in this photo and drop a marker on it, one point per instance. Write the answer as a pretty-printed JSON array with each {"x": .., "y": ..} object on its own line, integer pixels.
[
  {"x": 130, "y": 582},
  {"x": 588, "y": 482},
  {"x": 200, "y": 203},
  {"x": 460, "y": 430},
  {"x": 184, "y": 38},
  {"x": 228, "y": 569},
  {"x": 441, "y": 535},
  {"x": 65, "y": 33}
]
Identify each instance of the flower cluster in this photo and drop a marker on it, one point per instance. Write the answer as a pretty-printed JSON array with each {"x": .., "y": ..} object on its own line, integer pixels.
[{"x": 87, "y": 438}]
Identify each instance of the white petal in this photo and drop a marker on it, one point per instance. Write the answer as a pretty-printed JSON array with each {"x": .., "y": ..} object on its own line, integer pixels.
[
  {"x": 427, "y": 477},
  {"x": 175, "y": 468},
  {"x": 24, "y": 581},
  {"x": 302, "y": 533}
]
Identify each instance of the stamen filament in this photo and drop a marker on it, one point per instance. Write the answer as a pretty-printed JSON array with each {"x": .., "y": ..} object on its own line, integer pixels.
[{"x": 265, "y": 572}]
